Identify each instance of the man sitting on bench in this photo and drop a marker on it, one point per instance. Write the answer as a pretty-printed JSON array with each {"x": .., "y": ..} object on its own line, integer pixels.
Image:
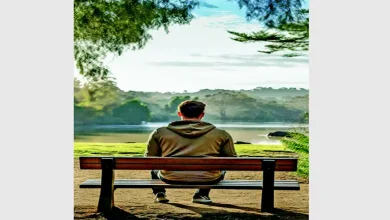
[{"x": 189, "y": 137}]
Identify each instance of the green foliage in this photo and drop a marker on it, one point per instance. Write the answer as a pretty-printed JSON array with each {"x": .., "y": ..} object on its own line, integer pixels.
[
  {"x": 102, "y": 102},
  {"x": 96, "y": 100},
  {"x": 298, "y": 102},
  {"x": 287, "y": 36},
  {"x": 132, "y": 112},
  {"x": 174, "y": 102},
  {"x": 239, "y": 106},
  {"x": 230, "y": 104},
  {"x": 299, "y": 143},
  {"x": 84, "y": 115},
  {"x": 104, "y": 94},
  {"x": 98, "y": 94},
  {"x": 105, "y": 27},
  {"x": 305, "y": 117},
  {"x": 110, "y": 27},
  {"x": 158, "y": 113},
  {"x": 272, "y": 12}
]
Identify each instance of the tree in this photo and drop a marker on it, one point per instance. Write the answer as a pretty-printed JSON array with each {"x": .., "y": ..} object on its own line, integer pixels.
[
  {"x": 110, "y": 27},
  {"x": 290, "y": 36},
  {"x": 272, "y": 12},
  {"x": 103, "y": 27},
  {"x": 104, "y": 94},
  {"x": 132, "y": 112},
  {"x": 230, "y": 104},
  {"x": 221, "y": 101},
  {"x": 76, "y": 85},
  {"x": 84, "y": 115},
  {"x": 175, "y": 102}
]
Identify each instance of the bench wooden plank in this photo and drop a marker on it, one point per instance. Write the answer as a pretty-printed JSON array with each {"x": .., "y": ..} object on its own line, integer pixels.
[
  {"x": 268, "y": 165},
  {"x": 179, "y": 160},
  {"x": 224, "y": 184},
  {"x": 190, "y": 163}
]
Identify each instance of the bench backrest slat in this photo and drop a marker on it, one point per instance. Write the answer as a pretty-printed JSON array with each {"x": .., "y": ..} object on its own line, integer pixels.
[{"x": 190, "y": 163}]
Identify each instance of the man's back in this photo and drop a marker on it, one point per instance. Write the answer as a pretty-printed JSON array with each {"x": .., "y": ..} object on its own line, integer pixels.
[{"x": 190, "y": 138}]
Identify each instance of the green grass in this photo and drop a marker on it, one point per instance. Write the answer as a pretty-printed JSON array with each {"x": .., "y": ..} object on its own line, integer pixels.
[
  {"x": 299, "y": 143},
  {"x": 138, "y": 149}
]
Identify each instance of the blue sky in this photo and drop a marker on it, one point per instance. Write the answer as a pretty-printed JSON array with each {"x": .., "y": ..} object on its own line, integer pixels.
[{"x": 201, "y": 55}]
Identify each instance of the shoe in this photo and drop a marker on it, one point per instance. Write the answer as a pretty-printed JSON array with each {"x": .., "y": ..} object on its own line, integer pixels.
[
  {"x": 201, "y": 199},
  {"x": 161, "y": 198}
]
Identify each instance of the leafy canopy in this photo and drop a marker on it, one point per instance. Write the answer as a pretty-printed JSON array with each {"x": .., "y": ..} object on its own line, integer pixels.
[
  {"x": 103, "y": 27},
  {"x": 290, "y": 36},
  {"x": 132, "y": 112},
  {"x": 272, "y": 13},
  {"x": 110, "y": 27}
]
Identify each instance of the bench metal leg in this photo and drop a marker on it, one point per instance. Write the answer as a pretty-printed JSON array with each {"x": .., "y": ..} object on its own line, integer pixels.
[
  {"x": 267, "y": 196},
  {"x": 106, "y": 199}
]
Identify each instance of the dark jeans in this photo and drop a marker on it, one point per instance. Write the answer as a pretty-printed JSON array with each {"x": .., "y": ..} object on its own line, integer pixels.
[{"x": 203, "y": 192}]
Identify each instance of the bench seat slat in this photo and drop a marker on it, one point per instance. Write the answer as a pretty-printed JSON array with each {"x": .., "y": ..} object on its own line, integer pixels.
[
  {"x": 224, "y": 184},
  {"x": 190, "y": 164},
  {"x": 190, "y": 167}
]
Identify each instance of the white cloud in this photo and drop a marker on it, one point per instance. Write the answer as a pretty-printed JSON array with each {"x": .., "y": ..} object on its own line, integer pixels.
[{"x": 201, "y": 55}]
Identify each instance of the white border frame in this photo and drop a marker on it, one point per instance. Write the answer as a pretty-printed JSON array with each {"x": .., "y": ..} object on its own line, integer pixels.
[{"x": 349, "y": 77}]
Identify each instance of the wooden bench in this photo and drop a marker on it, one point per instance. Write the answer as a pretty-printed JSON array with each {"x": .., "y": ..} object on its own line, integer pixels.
[{"x": 108, "y": 184}]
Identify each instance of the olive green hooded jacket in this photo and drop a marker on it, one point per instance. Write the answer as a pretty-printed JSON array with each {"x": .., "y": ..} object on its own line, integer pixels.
[{"x": 190, "y": 138}]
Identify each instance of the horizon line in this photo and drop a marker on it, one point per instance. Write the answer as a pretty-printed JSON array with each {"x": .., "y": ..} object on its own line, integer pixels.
[{"x": 296, "y": 88}]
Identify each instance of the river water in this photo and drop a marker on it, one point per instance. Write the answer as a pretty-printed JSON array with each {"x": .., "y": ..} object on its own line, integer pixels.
[{"x": 255, "y": 133}]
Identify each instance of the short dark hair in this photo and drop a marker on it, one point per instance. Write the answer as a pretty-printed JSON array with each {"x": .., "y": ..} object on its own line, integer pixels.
[{"x": 191, "y": 108}]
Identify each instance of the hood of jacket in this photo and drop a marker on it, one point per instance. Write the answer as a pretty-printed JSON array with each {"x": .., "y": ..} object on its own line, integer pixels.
[{"x": 190, "y": 128}]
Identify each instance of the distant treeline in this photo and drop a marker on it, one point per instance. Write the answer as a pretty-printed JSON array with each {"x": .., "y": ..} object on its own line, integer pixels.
[{"x": 103, "y": 103}]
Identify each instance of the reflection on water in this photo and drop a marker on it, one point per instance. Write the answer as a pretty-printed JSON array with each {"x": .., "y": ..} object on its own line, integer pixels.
[{"x": 248, "y": 132}]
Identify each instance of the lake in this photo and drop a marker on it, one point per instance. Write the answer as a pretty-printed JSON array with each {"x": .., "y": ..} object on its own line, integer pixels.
[{"x": 255, "y": 133}]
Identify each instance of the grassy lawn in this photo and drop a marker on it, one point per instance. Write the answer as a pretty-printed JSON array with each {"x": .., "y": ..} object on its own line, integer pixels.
[{"x": 138, "y": 149}]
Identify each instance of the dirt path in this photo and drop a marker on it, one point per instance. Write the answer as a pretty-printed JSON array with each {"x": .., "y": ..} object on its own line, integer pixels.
[{"x": 227, "y": 204}]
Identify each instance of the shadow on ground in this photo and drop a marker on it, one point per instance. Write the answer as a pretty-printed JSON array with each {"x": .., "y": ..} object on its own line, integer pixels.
[
  {"x": 209, "y": 213},
  {"x": 206, "y": 212}
]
